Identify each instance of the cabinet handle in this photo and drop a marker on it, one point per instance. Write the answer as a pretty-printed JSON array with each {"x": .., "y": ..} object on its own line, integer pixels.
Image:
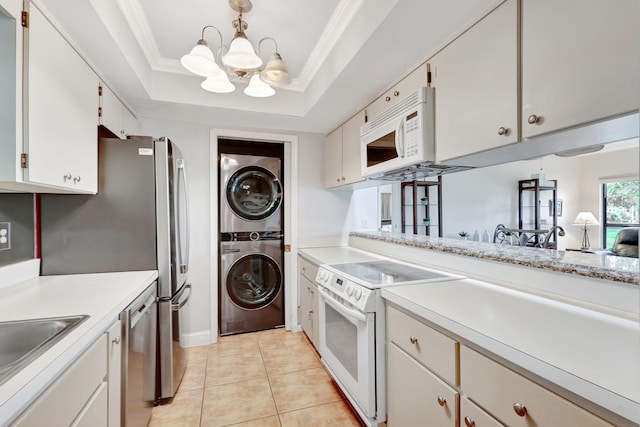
[
  {"x": 388, "y": 98},
  {"x": 533, "y": 119},
  {"x": 503, "y": 131},
  {"x": 116, "y": 340},
  {"x": 76, "y": 179},
  {"x": 469, "y": 422},
  {"x": 442, "y": 401},
  {"x": 396, "y": 93},
  {"x": 520, "y": 409},
  {"x": 413, "y": 339},
  {"x": 67, "y": 176}
]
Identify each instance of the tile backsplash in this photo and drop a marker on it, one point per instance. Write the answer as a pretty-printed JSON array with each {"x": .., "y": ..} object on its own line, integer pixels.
[{"x": 18, "y": 210}]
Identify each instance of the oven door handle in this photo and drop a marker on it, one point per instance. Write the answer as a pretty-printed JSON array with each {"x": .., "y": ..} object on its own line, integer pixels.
[{"x": 347, "y": 312}]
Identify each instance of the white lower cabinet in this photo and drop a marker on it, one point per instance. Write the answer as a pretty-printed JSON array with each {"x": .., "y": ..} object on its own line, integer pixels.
[
  {"x": 87, "y": 393},
  {"x": 417, "y": 397},
  {"x": 308, "y": 308},
  {"x": 515, "y": 400},
  {"x": 472, "y": 416},
  {"x": 76, "y": 395}
]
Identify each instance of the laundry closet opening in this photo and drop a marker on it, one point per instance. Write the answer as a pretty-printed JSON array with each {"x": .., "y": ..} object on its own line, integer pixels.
[{"x": 251, "y": 238}]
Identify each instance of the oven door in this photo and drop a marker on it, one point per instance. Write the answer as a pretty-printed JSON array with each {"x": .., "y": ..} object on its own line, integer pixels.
[{"x": 347, "y": 347}]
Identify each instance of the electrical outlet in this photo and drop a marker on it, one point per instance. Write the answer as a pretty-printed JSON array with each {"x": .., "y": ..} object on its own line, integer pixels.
[{"x": 5, "y": 235}]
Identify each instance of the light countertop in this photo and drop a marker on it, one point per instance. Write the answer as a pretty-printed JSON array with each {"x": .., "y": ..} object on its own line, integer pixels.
[
  {"x": 101, "y": 296},
  {"x": 607, "y": 267},
  {"x": 337, "y": 255},
  {"x": 591, "y": 354}
]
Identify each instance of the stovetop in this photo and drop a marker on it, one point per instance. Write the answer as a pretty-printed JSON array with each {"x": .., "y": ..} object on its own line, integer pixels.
[{"x": 384, "y": 273}]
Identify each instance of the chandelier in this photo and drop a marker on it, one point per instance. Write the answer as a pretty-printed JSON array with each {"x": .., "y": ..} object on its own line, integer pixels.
[{"x": 239, "y": 59}]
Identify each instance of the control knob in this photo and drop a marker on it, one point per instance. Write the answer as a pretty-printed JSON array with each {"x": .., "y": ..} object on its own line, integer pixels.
[
  {"x": 357, "y": 293},
  {"x": 349, "y": 289}
]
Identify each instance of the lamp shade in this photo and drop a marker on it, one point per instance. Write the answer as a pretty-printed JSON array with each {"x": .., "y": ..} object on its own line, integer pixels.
[
  {"x": 258, "y": 88},
  {"x": 275, "y": 72},
  {"x": 200, "y": 60},
  {"x": 585, "y": 218},
  {"x": 241, "y": 55},
  {"x": 218, "y": 82}
]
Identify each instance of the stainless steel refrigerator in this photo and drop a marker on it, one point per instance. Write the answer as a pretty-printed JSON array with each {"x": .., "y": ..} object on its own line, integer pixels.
[{"x": 137, "y": 221}]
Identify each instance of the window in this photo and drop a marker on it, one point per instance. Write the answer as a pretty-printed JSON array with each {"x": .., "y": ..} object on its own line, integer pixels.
[{"x": 620, "y": 203}]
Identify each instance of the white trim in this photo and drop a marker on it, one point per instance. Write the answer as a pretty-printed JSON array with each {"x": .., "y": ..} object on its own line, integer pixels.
[
  {"x": 618, "y": 178},
  {"x": 195, "y": 339},
  {"x": 290, "y": 220}
]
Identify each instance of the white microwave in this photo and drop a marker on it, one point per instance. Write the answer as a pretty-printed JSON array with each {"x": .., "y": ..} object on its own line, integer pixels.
[{"x": 403, "y": 135}]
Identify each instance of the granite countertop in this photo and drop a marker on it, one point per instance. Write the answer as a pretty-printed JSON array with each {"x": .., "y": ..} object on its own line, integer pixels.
[{"x": 597, "y": 266}]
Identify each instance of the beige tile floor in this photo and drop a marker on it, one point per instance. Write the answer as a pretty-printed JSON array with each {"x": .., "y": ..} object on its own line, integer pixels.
[{"x": 270, "y": 378}]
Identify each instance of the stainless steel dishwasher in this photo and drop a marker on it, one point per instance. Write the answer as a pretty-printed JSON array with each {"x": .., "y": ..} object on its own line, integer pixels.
[{"x": 139, "y": 324}]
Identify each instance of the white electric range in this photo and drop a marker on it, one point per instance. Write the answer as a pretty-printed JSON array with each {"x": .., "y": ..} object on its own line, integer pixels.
[{"x": 352, "y": 326}]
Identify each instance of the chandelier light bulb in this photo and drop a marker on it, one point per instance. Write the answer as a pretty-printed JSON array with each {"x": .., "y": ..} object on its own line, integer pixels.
[
  {"x": 200, "y": 60},
  {"x": 257, "y": 88},
  {"x": 241, "y": 55}
]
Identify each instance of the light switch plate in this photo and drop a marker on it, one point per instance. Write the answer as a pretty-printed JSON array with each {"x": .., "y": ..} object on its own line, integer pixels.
[{"x": 5, "y": 236}]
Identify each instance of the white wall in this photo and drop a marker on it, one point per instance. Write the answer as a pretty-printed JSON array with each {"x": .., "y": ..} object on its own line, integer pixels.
[
  {"x": 480, "y": 199},
  {"x": 321, "y": 213}
]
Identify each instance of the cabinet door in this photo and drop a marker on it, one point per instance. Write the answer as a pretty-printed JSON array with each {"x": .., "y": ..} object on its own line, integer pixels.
[
  {"x": 61, "y": 116},
  {"x": 10, "y": 90},
  {"x": 94, "y": 413},
  {"x": 351, "y": 149},
  {"x": 415, "y": 396},
  {"x": 409, "y": 84},
  {"x": 114, "y": 115},
  {"x": 306, "y": 312},
  {"x": 333, "y": 159},
  {"x": 472, "y": 416},
  {"x": 114, "y": 372},
  {"x": 579, "y": 62},
  {"x": 476, "y": 86}
]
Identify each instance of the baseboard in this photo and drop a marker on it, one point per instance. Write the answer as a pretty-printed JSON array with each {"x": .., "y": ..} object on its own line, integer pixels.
[{"x": 195, "y": 339}]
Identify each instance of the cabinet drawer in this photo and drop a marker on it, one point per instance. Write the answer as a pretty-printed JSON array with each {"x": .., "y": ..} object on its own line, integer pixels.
[
  {"x": 65, "y": 399},
  {"x": 415, "y": 396},
  {"x": 472, "y": 416},
  {"x": 308, "y": 269},
  {"x": 433, "y": 349},
  {"x": 497, "y": 389}
]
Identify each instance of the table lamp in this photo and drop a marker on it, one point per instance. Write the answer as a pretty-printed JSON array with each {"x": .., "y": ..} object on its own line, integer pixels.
[{"x": 585, "y": 219}]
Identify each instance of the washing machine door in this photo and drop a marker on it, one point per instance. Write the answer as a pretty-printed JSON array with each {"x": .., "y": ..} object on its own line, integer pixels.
[
  {"x": 254, "y": 193},
  {"x": 254, "y": 281}
]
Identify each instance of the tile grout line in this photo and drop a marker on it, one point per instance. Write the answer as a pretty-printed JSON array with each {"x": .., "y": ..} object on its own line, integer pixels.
[
  {"x": 264, "y": 365},
  {"x": 204, "y": 383}
]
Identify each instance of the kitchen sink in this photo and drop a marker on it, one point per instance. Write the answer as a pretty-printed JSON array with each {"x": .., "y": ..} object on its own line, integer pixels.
[{"x": 22, "y": 341}]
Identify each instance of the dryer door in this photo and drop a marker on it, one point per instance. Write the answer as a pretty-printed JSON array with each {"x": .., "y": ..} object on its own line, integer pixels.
[
  {"x": 254, "y": 281},
  {"x": 253, "y": 193}
]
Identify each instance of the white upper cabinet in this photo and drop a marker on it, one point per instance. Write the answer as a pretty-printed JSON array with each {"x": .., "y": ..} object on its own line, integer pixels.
[
  {"x": 342, "y": 163},
  {"x": 476, "y": 86},
  {"x": 114, "y": 115},
  {"x": 60, "y": 110},
  {"x": 579, "y": 62},
  {"x": 409, "y": 84}
]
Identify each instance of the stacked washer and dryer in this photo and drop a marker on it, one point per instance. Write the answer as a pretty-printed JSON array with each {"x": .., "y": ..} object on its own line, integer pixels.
[{"x": 251, "y": 243}]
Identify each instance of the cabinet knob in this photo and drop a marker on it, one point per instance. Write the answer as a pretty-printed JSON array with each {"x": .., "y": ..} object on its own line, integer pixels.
[
  {"x": 388, "y": 98},
  {"x": 67, "y": 176},
  {"x": 116, "y": 340},
  {"x": 503, "y": 131},
  {"x": 122, "y": 132},
  {"x": 396, "y": 93},
  {"x": 469, "y": 422},
  {"x": 413, "y": 339},
  {"x": 338, "y": 180},
  {"x": 76, "y": 179},
  {"x": 533, "y": 119},
  {"x": 344, "y": 179},
  {"x": 442, "y": 401},
  {"x": 520, "y": 409}
]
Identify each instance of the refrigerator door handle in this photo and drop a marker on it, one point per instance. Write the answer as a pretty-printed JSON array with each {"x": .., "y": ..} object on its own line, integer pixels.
[
  {"x": 184, "y": 252},
  {"x": 176, "y": 304}
]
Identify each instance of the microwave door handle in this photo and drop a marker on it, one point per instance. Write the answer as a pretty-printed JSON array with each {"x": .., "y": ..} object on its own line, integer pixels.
[
  {"x": 400, "y": 139},
  {"x": 347, "y": 312}
]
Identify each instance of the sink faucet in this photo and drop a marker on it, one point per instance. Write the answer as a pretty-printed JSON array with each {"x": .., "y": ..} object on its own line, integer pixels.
[{"x": 545, "y": 243}]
